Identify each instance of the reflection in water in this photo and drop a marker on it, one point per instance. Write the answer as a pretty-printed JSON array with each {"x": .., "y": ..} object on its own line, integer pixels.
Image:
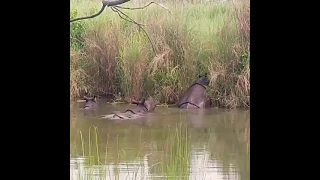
[
  {"x": 201, "y": 167},
  {"x": 170, "y": 143}
]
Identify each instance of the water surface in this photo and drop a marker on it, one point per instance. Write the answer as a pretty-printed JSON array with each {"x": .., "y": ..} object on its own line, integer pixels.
[{"x": 167, "y": 144}]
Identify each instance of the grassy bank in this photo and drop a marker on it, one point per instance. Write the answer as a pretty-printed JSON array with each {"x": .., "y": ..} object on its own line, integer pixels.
[{"x": 109, "y": 54}]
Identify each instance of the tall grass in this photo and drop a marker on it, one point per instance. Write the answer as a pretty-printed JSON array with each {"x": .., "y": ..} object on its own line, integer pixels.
[{"x": 109, "y": 54}]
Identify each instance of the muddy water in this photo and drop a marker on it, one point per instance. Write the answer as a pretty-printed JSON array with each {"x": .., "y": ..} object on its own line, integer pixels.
[{"x": 167, "y": 144}]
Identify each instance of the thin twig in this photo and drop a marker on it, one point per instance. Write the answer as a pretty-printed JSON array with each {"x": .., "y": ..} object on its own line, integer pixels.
[
  {"x": 140, "y": 26},
  {"x": 114, "y": 10},
  {"x": 126, "y": 16},
  {"x": 145, "y": 7}
]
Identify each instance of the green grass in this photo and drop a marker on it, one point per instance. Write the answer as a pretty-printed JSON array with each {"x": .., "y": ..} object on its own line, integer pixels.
[{"x": 109, "y": 54}]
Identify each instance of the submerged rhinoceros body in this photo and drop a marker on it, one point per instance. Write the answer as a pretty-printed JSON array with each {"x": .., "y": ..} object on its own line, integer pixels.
[
  {"x": 143, "y": 107},
  {"x": 91, "y": 102},
  {"x": 196, "y": 96}
]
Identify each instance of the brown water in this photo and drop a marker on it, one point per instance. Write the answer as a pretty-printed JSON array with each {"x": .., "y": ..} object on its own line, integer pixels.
[{"x": 168, "y": 144}]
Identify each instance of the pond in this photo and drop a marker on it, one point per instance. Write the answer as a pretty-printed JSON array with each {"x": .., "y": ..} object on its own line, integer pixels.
[{"x": 168, "y": 144}]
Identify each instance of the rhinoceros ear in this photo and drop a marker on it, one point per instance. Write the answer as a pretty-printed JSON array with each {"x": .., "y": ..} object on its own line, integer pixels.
[
  {"x": 142, "y": 101},
  {"x": 94, "y": 98},
  {"x": 134, "y": 101}
]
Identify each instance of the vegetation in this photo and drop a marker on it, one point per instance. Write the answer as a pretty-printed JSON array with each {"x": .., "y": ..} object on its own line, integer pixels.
[{"x": 109, "y": 54}]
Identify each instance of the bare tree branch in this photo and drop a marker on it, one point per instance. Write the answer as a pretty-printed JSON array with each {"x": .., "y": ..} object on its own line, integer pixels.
[
  {"x": 113, "y": 3},
  {"x": 132, "y": 21},
  {"x": 88, "y": 17},
  {"x": 114, "y": 7},
  {"x": 104, "y": 4},
  {"x": 145, "y": 7}
]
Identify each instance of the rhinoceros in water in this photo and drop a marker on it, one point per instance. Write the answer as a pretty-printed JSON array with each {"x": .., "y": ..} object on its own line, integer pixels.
[
  {"x": 196, "y": 96},
  {"x": 90, "y": 102},
  {"x": 143, "y": 107}
]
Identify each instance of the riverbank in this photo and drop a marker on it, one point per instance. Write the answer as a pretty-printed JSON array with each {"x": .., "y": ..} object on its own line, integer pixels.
[{"x": 109, "y": 54}]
